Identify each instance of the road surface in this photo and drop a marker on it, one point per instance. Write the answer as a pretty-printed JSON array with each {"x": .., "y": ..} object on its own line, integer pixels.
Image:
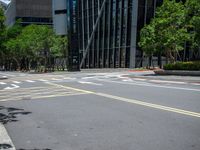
[{"x": 99, "y": 111}]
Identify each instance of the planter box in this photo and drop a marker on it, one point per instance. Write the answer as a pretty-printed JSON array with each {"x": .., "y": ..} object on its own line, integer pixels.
[{"x": 177, "y": 72}]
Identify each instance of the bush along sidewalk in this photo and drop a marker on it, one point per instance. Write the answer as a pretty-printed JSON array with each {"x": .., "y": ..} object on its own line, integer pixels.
[{"x": 190, "y": 66}]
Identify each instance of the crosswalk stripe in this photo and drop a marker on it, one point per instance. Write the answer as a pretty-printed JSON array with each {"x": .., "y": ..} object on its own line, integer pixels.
[
  {"x": 43, "y": 80},
  {"x": 16, "y": 82},
  {"x": 165, "y": 81},
  {"x": 55, "y": 79},
  {"x": 30, "y": 81},
  {"x": 2, "y": 83},
  {"x": 139, "y": 79}
]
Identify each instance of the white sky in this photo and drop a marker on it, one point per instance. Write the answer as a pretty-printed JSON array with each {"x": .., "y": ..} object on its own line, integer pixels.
[{"x": 5, "y": 1}]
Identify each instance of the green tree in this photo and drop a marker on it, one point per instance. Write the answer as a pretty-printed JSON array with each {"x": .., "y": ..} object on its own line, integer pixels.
[
  {"x": 2, "y": 34},
  {"x": 193, "y": 17},
  {"x": 167, "y": 32}
]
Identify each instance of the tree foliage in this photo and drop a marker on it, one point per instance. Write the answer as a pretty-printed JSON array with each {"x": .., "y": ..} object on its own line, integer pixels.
[
  {"x": 193, "y": 17},
  {"x": 2, "y": 27},
  {"x": 33, "y": 44},
  {"x": 170, "y": 29}
]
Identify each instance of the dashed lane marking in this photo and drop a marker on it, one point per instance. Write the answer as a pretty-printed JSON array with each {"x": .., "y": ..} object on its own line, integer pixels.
[{"x": 136, "y": 102}]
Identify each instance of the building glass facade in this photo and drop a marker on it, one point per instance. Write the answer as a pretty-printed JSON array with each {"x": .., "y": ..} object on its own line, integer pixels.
[{"x": 112, "y": 44}]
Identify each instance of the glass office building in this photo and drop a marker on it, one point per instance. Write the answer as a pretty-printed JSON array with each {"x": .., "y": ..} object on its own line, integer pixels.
[{"x": 113, "y": 42}]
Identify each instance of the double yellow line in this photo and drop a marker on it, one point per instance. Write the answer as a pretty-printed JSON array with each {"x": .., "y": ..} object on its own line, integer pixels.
[{"x": 133, "y": 101}]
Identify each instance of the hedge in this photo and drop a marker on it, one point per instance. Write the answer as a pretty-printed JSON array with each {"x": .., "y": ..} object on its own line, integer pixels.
[{"x": 191, "y": 65}]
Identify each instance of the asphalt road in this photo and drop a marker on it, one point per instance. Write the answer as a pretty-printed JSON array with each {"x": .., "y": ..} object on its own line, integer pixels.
[{"x": 100, "y": 111}]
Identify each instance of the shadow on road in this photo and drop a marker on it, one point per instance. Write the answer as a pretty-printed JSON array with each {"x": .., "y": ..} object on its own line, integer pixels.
[
  {"x": 10, "y": 114},
  {"x": 35, "y": 149}
]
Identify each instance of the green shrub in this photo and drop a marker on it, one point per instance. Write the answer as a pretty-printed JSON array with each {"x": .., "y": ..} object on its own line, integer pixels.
[{"x": 191, "y": 65}]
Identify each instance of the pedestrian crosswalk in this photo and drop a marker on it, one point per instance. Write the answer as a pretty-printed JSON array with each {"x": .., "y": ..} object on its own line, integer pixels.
[
  {"x": 89, "y": 79},
  {"x": 41, "y": 92}
]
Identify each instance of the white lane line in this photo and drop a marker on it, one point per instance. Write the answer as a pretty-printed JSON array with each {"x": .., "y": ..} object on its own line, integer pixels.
[
  {"x": 127, "y": 80},
  {"x": 165, "y": 81},
  {"x": 152, "y": 85},
  {"x": 139, "y": 79},
  {"x": 30, "y": 81},
  {"x": 69, "y": 78},
  {"x": 195, "y": 83},
  {"x": 91, "y": 83},
  {"x": 5, "y": 139},
  {"x": 16, "y": 82},
  {"x": 2, "y": 83},
  {"x": 85, "y": 78},
  {"x": 55, "y": 79},
  {"x": 42, "y": 80}
]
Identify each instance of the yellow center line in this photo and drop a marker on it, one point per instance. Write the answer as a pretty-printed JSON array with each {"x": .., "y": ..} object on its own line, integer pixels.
[{"x": 133, "y": 101}]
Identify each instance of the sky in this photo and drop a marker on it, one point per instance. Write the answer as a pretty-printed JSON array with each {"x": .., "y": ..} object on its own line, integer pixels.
[{"x": 5, "y": 1}]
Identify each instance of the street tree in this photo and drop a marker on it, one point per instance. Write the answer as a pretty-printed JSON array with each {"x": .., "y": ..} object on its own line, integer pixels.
[
  {"x": 167, "y": 32},
  {"x": 2, "y": 34},
  {"x": 193, "y": 17}
]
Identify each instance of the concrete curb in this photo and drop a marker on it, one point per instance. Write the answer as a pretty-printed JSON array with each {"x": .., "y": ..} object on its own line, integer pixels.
[
  {"x": 177, "y": 72},
  {"x": 5, "y": 141}
]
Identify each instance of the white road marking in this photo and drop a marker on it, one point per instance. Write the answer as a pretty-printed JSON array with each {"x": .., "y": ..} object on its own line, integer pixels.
[
  {"x": 4, "y": 76},
  {"x": 91, "y": 83},
  {"x": 43, "y": 80},
  {"x": 139, "y": 79},
  {"x": 2, "y": 83},
  {"x": 5, "y": 139},
  {"x": 16, "y": 82},
  {"x": 13, "y": 87},
  {"x": 195, "y": 83},
  {"x": 85, "y": 78},
  {"x": 55, "y": 79},
  {"x": 69, "y": 78},
  {"x": 165, "y": 81},
  {"x": 30, "y": 81},
  {"x": 151, "y": 85},
  {"x": 127, "y": 80}
]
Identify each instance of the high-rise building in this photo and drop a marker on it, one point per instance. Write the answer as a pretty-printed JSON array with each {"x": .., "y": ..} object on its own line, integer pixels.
[
  {"x": 108, "y": 31},
  {"x": 30, "y": 12}
]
